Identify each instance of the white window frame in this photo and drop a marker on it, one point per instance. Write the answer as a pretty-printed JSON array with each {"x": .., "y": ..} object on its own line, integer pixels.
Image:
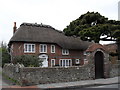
[
  {"x": 85, "y": 61},
  {"x": 26, "y": 48},
  {"x": 65, "y": 60},
  {"x": 52, "y": 48},
  {"x": 84, "y": 53},
  {"x": 52, "y": 64},
  {"x": 77, "y": 61},
  {"x": 44, "y": 49},
  {"x": 65, "y": 52}
]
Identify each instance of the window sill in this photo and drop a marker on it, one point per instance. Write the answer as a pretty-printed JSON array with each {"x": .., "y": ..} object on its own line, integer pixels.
[
  {"x": 65, "y": 54},
  {"x": 29, "y": 52}
]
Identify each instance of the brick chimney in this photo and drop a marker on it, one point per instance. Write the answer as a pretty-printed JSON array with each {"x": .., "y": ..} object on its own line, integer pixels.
[{"x": 14, "y": 28}]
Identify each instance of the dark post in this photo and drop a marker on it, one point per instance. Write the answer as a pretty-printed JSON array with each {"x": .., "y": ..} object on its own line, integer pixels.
[{"x": 118, "y": 50}]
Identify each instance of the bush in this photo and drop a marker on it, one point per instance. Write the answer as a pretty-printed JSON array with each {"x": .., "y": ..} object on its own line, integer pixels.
[{"x": 28, "y": 60}]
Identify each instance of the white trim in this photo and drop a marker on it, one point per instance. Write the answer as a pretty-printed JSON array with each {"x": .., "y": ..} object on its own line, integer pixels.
[
  {"x": 65, "y": 52},
  {"x": 44, "y": 57},
  {"x": 44, "y": 49},
  {"x": 52, "y": 64},
  {"x": 65, "y": 62},
  {"x": 28, "y": 48},
  {"x": 84, "y": 53},
  {"x": 52, "y": 48},
  {"x": 85, "y": 61},
  {"x": 77, "y": 61}
]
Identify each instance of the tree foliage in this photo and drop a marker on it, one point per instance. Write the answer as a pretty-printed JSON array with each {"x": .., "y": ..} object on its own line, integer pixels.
[
  {"x": 83, "y": 22},
  {"x": 28, "y": 60},
  {"x": 5, "y": 54},
  {"x": 91, "y": 26},
  {"x": 95, "y": 27}
]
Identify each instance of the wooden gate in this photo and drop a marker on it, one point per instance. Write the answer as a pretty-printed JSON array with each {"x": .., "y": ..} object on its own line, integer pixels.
[{"x": 99, "y": 65}]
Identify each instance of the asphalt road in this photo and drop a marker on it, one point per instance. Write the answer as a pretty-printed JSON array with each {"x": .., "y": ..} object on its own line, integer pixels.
[
  {"x": 107, "y": 86},
  {"x": 101, "y": 87}
]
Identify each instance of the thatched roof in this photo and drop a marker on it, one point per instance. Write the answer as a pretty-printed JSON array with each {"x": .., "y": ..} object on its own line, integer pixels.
[{"x": 40, "y": 33}]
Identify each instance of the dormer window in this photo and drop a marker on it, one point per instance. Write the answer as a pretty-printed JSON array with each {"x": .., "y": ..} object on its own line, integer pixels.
[
  {"x": 52, "y": 48},
  {"x": 65, "y": 52},
  {"x": 77, "y": 61},
  {"x": 85, "y": 53}
]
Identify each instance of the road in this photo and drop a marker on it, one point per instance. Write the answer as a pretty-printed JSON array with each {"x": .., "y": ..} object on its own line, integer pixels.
[
  {"x": 100, "y": 87},
  {"x": 107, "y": 86}
]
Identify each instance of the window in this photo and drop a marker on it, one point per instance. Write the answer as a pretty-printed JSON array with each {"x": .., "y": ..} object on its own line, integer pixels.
[
  {"x": 43, "y": 48},
  {"x": 29, "y": 48},
  {"x": 52, "y": 62},
  {"x": 85, "y": 53},
  {"x": 52, "y": 48},
  {"x": 65, "y": 62},
  {"x": 65, "y": 52},
  {"x": 77, "y": 61},
  {"x": 85, "y": 61}
]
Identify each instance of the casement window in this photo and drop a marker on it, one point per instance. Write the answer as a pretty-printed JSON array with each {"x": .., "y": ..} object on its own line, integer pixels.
[
  {"x": 84, "y": 53},
  {"x": 65, "y": 62},
  {"x": 29, "y": 48},
  {"x": 65, "y": 52},
  {"x": 52, "y": 62},
  {"x": 52, "y": 48},
  {"x": 43, "y": 48},
  {"x": 77, "y": 61},
  {"x": 85, "y": 61}
]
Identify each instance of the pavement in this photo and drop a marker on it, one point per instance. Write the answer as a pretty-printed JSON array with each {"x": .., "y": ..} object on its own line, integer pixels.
[
  {"x": 80, "y": 84},
  {"x": 72, "y": 85}
]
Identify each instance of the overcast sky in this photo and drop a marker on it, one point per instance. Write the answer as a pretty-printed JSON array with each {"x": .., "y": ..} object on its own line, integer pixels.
[{"x": 57, "y": 13}]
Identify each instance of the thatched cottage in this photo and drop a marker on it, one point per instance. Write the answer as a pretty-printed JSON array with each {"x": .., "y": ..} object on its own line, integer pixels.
[{"x": 54, "y": 48}]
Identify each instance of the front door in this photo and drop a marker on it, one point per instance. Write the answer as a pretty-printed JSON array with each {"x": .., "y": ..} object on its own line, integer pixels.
[
  {"x": 44, "y": 59},
  {"x": 99, "y": 64}
]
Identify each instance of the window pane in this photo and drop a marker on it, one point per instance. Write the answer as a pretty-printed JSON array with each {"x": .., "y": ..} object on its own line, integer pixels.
[
  {"x": 53, "y": 62},
  {"x": 41, "y": 48},
  {"x": 67, "y": 62},
  {"x": 44, "y": 48},
  {"x": 26, "y": 47},
  {"x": 64, "y": 63},
  {"x": 60, "y": 62},
  {"x": 33, "y": 48},
  {"x": 29, "y": 48},
  {"x": 52, "y": 49},
  {"x": 65, "y": 51}
]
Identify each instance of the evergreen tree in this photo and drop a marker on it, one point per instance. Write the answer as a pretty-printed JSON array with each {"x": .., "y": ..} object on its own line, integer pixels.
[{"x": 92, "y": 26}]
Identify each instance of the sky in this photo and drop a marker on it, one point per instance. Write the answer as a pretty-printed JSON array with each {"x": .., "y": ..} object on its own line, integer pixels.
[{"x": 56, "y": 13}]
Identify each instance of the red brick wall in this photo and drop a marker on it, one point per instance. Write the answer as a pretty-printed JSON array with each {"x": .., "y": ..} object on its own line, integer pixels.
[
  {"x": 18, "y": 49},
  {"x": 112, "y": 48}
]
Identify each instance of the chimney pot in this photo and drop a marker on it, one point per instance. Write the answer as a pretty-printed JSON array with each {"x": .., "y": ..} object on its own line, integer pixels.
[{"x": 14, "y": 28}]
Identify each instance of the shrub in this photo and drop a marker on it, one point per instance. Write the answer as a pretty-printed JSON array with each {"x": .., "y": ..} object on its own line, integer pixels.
[{"x": 28, "y": 60}]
